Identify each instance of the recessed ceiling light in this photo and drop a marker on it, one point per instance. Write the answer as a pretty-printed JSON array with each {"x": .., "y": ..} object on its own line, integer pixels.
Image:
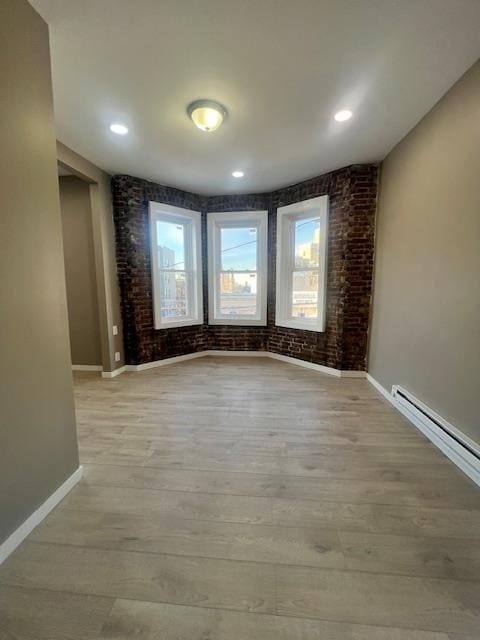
[
  {"x": 207, "y": 115},
  {"x": 120, "y": 129},
  {"x": 344, "y": 114},
  {"x": 238, "y": 174}
]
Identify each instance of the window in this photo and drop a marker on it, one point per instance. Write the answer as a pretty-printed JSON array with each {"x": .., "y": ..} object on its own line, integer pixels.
[
  {"x": 302, "y": 264},
  {"x": 237, "y": 267},
  {"x": 176, "y": 266}
]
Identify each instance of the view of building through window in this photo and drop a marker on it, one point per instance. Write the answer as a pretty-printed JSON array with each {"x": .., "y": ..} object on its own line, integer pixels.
[
  {"x": 304, "y": 299},
  {"x": 171, "y": 264},
  {"x": 238, "y": 275}
]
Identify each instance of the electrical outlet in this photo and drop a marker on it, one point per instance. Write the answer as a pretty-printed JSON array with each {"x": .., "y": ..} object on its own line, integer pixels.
[
  {"x": 117, "y": 356},
  {"x": 115, "y": 330}
]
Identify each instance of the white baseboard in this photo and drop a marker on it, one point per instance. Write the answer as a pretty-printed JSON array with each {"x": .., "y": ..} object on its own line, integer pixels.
[
  {"x": 164, "y": 362},
  {"x": 115, "y": 372},
  {"x": 451, "y": 441},
  {"x": 329, "y": 371},
  {"x": 347, "y": 373},
  {"x": 17, "y": 537},
  {"x": 241, "y": 354},
  {"x": 305, "y": 364},
  {"x": 87, "y": 367},
  {"x": 380, "y": 389},
  {"x": 244, "y": 354},
  {"x": 290, "y": 360}
]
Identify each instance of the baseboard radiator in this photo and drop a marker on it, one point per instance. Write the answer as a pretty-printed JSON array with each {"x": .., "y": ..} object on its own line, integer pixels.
[{"x": 461, "y": 449}]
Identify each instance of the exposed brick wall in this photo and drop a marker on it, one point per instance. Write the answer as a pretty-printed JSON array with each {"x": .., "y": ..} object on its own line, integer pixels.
[
  {"x": 352, "y": 193},
  {"x": 143, "y": 343},
  {"x": 359, "y": 253}
]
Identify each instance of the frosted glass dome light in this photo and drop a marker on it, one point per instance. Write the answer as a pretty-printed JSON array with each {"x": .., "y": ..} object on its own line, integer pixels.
[{"x": 207, "y": 115}]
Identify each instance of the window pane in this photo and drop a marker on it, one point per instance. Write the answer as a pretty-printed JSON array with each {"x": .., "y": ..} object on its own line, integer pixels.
[
  {"x": 238, "y": 249},
  {"x": 305, "y": 294},
  {"x": 171, "y": 245},
  {"x": 238, "y": 294},
  {"x": 307, "y": 243},
  {"x": 173, "y": 294}
]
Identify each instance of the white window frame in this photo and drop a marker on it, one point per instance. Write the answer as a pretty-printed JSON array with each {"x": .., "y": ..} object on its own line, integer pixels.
[
  {"x": 285, "y": 263},
  {"x": 193, "y": 263},
  {"x": 215, "y": 222}
]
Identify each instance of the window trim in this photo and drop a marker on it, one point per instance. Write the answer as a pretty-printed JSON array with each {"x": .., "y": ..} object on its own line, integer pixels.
[
  {"x": 220, "y": 219},
  {"x": 285, "y": 260},
  {"x": 193, "y": 257}
]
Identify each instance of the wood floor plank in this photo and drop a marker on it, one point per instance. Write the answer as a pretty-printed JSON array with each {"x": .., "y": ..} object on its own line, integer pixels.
[
  {"x": 31, "y": 614},
  {"x": 204, "y": 458},
  {"x": 377, "y": 599},
  {"x": 130, "y": 620},
  {"x": 276, "y": 483},
  {"x": 255, "y": 543},
  {"x": 427, "y": 494},
  {"x": 242, "y": 445},
  {"x": 409, "y": 555},
  {"x": 169, "y": 504},
  {"x": 254, "y": 429},
  {"x": 378, "y": 455},
  {"x": 358, "y": 467},
  {"x": 421, "y": 521},
  {"x": 430, "y": 492},
  {"x": 221, "y": 482},
  {"x": 224, "y": 584}
]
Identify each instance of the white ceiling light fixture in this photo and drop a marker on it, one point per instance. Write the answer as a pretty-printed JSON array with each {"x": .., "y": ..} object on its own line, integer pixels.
[
  {"x": 119, "y": 129},
  {"x": 237, "y": 174},
  {"x": 207, "y": 115},
  {"x": 342, "y": 115}
]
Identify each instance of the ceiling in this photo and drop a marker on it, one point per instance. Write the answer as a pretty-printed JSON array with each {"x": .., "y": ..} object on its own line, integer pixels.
[{"x": 282, "y": 68}]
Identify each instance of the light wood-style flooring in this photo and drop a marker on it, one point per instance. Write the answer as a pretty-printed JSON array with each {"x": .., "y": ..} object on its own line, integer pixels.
[{"x": 248, "y": 499}]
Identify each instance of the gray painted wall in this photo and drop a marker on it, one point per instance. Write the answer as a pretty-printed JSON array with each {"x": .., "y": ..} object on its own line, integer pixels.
[
  {"x": 79, "y": 255},
  {"x": 425, "y": 332},
  {"x": 38, "y": 449}
]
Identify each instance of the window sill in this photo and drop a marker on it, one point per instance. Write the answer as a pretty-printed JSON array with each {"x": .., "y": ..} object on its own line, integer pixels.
[
  {"x": 301, "y": 326},
  {"x": 178, "y": 323},
  {"x": 244, "y": 322}
]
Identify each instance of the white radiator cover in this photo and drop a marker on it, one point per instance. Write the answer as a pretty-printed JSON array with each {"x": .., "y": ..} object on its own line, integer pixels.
[{"x": 461, "y": 449}]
